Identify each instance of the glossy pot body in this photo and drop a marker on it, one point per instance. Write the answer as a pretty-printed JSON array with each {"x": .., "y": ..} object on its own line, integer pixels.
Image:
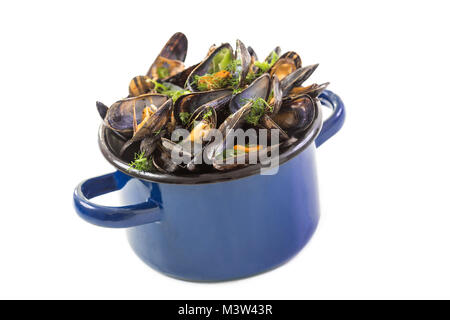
[
  {"x": 215, "y": 231},
  {"x": 230, "y": 229}
]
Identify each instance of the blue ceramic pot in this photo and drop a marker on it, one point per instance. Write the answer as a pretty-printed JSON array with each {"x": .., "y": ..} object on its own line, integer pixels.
[{"x": 221, "y": 226}]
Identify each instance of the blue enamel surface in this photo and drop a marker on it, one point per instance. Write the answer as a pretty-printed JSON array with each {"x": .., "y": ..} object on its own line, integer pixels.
[
  {"x": 233, "y": 229},
  {"x": 336, "y": 120},
  {"x": 218, "y": 231},
  {"x": 113, "y": 217}
]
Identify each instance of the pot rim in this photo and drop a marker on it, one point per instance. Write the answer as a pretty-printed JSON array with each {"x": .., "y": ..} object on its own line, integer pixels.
[{"x": 211, "y": 177}]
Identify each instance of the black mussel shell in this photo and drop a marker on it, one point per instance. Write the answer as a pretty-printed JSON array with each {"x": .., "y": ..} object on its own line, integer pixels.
[{"x": 259, "y": 88}]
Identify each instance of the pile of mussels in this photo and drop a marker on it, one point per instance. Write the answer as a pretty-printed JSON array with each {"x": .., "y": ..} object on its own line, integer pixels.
[{"x": 229, "y": 89}]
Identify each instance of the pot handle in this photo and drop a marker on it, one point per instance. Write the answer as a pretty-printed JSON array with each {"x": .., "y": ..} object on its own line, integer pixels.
[
  {"x": 112, "y": 217},
  {"x": 335, "y": 121}
]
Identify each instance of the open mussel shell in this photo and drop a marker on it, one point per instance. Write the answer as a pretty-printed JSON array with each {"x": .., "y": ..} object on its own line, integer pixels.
[
  {"x": 200, "y": 125},
  {"x": 206, "y": 66},
  {"x": 274, "y": 53},
  {"x": 149, "y": 144},
  {"x": 200, "y": 115},
  {"x": 119, "y": 116},
  {"x": 232, "y": 161},
  {"x": 140, "y": 85},
  {"x": 297, "y": 115},
  {"x": 172, "y": 149},
  {"x": 259, "y": 88},
  {"x": 252, "y": 53},
  {"x": 296, "y": 78},
  {"x": 243, "y": 67},
  {"x": 188, "y": 103},
  {"x": 229, "y": 160},
  {"x": 151, "y": 125},
  {"x": 162, "y": 161},
  {"x": 313, "y": 90},
  {"x": 276, "y": 95},
  {"x": 233, "y": 121},
  {"x": 102, "y": 109},
  {"x": 202, "y": 122},
  {"x": 176, "y": 47},
  {"x": 285, "y": 65},
  {"x": 253, "y": 57},
  {"x": 180, "y": 78},
  {"x": 171, "y": 57},
  {"x": 270, "y": 124}
]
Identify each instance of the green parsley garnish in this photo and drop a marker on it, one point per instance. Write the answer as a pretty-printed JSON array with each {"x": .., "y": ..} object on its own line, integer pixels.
[
  {"x": 184, "y": 116},
  {"x": 141, "y": 163},
  {"x": 263, "y": 67},
  {"x": 221, "y": 74},
  {"x": 159, "y": 87},
  {"x": 237, "y": 90},
  {"x": 258, "y": 109},
  {"x": 233, "y": 66},
  {"x": 207, "y": 114},
  {"x": 217, "y": 80},
  {"x": 174, "y": 94},
  {"x": 221, "y": 60},
  {"x": 157, "y": 132},
  {"x": 250, "y": 76},
  {"x": 266, "y": 65},
  {"x": 162, "y": 72}
]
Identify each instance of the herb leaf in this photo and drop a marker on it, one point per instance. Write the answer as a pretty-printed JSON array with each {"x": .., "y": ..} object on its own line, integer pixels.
[
  {"x": 184, "y": 116},
  {"x": 207, "y": 114},
  {"x": 258, "y": 109},
  {"x": 221, "y": 60},
  {"x": 141, "y": 163},
  {"x": 174, "y": 94},
  {"x": 162, "y": 72},
  {"x": 263, "y": 67},
  {"x": 217, "y": 80}
]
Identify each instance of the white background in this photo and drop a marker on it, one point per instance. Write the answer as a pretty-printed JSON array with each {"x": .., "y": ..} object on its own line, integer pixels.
[{"x": 384, "y": 179}]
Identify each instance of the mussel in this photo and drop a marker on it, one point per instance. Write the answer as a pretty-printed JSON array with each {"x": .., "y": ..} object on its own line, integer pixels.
[
  {"x": 257, "y": 107},
  {"x": 152, "y": 124},
  {"x": 221, "y": 69},
  {"x": 285, "y": 65},
  {"x": 296, "y": 78},
  {"x": 259, "y": 88},
  {"x": 202, "y": 122},
  {"x": 233, "y": 122},
  {"x": 252, "y": 53},
  {"x": 276, "y": 95},
  {"x": 163, "y": 162},
  {"x": 140, "y": 85},
  {"x": 313, "y": 90},
  {"x": 216, "y": 61},
  {"x": 186, "y": 105},
  {"x": 270, "y": 124},
  {"x": 149, "y": 144},
  {"x": 243, "y": 60},
  {"x": 180, "y": 78},
  {"x": 119, "y": 116},
  {"x": 270, "y": 60},
  {"x": 229, "y": 153},
  {"x": 170, "y": 60},
  {"x": 297, "y": 115},
  {"x": 102, "y": 109},
  {"x": 243, "y": 155}
]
